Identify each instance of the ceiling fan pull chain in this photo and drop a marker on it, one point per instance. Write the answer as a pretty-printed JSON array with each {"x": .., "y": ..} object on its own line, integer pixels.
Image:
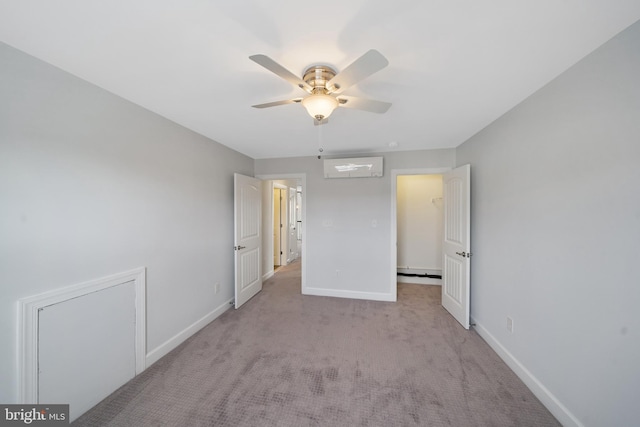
[{"x": 320, "y": 149}]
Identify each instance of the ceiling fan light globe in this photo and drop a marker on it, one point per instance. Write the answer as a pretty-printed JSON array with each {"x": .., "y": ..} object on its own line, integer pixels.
[{"x": 320, "y": 105}]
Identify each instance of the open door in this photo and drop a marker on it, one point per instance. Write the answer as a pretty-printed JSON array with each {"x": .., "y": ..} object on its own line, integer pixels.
[
  {"x": 247, "y": 209},
  {"x": 456, "y": 245}
]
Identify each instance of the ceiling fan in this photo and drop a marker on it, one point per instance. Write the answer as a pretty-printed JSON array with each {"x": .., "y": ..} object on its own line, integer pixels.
[{"x": 324, "y": 86}]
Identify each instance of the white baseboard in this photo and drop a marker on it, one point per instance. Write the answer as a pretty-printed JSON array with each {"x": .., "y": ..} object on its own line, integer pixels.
[
  {"x": 267, "y": 275},
  {"x": 374, "y": 296},
  {"x": 164, "y": 348},
  {"x": 551, "y": 402}
]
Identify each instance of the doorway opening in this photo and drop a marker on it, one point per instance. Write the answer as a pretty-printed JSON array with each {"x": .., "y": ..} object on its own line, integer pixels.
[
  {"x": 283, "y": 223},
  {"x": 419, "y": 228},
  {"x": 280, "y": 226},
  {"x": 456, "y": 237},
  {"x": 416, "y": 226}
]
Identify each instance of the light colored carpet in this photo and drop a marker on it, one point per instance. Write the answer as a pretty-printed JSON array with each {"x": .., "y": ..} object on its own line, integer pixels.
[{"x": 285, "y": 359}]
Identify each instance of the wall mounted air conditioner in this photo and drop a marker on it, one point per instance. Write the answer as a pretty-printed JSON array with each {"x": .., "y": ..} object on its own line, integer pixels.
[{"x": 361, "y": 167}]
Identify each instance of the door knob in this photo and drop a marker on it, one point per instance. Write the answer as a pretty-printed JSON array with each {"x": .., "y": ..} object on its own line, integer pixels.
[
  {"x": 462, "y": 254},
  {"x": 237, "y": 248}
]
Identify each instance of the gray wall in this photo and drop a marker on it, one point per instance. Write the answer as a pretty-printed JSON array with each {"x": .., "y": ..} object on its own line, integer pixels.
[
  {"x": 556, "y": 236},
  {"x": 348, "y": 227},
  {"x": 92, "y": 185}
]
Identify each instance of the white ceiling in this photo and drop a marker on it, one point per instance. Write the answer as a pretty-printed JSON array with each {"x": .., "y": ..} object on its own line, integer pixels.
[{"x": 455, "y": 65}]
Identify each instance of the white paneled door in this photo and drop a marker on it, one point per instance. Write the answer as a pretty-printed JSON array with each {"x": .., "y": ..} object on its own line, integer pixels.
[
  {"x": 456, "y": 246},
  {"x": 247, "y": 237}
]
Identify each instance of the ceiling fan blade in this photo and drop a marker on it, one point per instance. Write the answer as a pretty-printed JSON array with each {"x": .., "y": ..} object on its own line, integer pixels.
[
  {"x": 276, "y": 103},
  {"x": 369, "y": 63},
  {"x": 363, "y": 104},
  {"x": 278, "y": 69}
]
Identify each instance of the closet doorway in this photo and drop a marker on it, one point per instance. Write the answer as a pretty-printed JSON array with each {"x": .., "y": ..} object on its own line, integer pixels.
[
  {"x": 417, "y": 226},
  {"x": 454, "y": 230}
]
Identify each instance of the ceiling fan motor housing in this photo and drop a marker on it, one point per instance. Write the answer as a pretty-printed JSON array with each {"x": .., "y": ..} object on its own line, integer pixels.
[{"x": 318, "y": 77}]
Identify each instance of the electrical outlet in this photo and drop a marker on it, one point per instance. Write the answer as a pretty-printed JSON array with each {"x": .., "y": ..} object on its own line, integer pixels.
[
  {"x": 216, "y": 288},
  {"x": 509, "y": 324}
]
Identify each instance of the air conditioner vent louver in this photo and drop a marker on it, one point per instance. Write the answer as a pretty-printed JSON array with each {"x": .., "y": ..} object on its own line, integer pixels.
[{"x": 361, "y": 167}]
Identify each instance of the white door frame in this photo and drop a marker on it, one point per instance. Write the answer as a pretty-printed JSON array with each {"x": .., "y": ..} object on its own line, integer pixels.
[
  {"x": 275, "y": 209},
  {"x": 393, "y": 279},
  {"x": 302, "y": 180},
  {"x": 283, "y": 223}
]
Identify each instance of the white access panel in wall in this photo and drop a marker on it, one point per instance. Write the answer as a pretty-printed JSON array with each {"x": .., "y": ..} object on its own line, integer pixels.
[
  {"x": 80, "y": 343},
  {"x": 87, "y": 347},
  {"x": 362, "y": 167}
]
